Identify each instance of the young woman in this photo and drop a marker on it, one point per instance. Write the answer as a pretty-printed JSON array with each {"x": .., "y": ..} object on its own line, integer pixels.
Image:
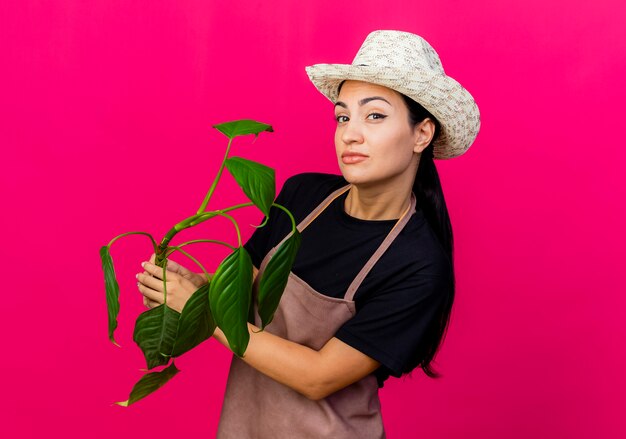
[{"x": 372, "y": 287}]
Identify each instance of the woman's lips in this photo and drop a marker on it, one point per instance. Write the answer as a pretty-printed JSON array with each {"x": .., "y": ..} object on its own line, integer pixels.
[{"x": 350, "y": 158}]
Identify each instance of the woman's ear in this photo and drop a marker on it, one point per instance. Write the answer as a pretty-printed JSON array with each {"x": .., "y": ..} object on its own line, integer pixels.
[{"x": 424, "y": 132}]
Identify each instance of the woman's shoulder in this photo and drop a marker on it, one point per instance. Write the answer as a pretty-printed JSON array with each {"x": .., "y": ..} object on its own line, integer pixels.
[
  {"x": 419, "y": 247},
  {"x": 304, "y": 191}
]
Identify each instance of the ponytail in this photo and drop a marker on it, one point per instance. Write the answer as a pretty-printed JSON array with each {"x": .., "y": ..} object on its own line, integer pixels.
[{"x": 429, "y": 197}]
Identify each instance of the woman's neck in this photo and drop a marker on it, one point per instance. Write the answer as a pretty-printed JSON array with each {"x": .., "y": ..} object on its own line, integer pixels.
[{"x": 376, "y": 203}]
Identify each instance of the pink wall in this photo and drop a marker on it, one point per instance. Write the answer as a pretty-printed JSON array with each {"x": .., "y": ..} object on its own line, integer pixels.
[{"x": 106, "y": 109}]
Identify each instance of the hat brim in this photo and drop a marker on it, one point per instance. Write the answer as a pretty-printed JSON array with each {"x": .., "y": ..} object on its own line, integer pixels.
[{"x": 452, "y": 105}]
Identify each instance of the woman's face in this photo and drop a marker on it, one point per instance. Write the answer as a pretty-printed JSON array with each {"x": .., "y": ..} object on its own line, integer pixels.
[{"x": 374, "y": 141}]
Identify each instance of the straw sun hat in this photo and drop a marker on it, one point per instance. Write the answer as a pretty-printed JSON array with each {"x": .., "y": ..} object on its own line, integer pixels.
[{"x": 406, "y": 63}]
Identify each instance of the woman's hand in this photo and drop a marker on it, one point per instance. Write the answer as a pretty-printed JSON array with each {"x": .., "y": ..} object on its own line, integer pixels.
[{"x": 181, "y": 284}]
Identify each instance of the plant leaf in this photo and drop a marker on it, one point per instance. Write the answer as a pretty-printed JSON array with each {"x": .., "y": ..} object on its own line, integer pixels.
[
  {"x": 112, "y": 290},
  {"x": 242, "y": 127},
  {"x": 229, "y": 298},
  {"x": 256, "y": 180},
  {"x": 155, "y": 333},
  {"x": 149, "y": 383},
  {"x": 196, "y": 323},
  {"x": 275, "y": 277}
]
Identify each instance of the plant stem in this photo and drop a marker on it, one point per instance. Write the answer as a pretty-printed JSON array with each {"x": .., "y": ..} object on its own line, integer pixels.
[
  {"x": 192, "y": 221},
  {"x": 212, "y": 241},
  {"x": 216, "y": 179},
  {"x": 232, "y": 220},
  {"x": 178, "y": 249},
  {"x": 284, "y": 209},
  {"x": 154, "y": 244},
  {"x": 236, "y": 206},
  {"x": 164, "y": 289}
]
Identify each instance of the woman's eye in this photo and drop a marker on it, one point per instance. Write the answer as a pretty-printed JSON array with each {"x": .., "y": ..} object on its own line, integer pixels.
[
  {"x": 341, "y": 118},
  {"x": 377, "y": 116}
]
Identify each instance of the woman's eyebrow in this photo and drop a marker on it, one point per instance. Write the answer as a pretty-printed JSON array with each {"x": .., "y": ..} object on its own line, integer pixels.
[{"x": 363, "y": 101}]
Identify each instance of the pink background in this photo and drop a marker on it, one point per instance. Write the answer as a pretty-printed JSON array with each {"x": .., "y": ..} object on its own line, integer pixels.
[{"x": 105, "y": 127}]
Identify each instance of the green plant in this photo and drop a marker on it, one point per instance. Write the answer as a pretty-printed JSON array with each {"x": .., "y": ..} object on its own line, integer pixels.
[{"x": 225, "y": 300}]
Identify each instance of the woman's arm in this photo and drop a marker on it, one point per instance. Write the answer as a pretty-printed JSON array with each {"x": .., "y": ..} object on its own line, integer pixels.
[{"x": 314, "y": 374}]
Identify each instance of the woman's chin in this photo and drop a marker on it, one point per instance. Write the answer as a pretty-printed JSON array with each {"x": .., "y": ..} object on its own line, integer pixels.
[
  {"x": 358, "y": 179},
  {"x": 353, "y": 177}
]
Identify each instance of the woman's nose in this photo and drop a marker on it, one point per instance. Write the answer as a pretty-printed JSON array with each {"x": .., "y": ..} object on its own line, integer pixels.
[{"x": 352, "y": 132}]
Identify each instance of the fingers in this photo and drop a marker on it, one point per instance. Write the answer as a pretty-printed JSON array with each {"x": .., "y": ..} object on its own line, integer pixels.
[
  {"x": 200, "y": 280},
  {"x": 174, "y": 267},
  {"x": 150, "y": 284},
  {"x": 177, "y": 268},
  {"x": 150, "y": 303},
  {"x": 157, "y": 271},
  {"x": 150, "y": 281},
  {"x": 150, "y": 294}
]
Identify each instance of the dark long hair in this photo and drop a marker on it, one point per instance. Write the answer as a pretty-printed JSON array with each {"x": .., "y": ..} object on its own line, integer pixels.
[{"x": 429, "y": 197}]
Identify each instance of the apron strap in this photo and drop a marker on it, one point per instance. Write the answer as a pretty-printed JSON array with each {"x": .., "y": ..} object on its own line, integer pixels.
[
  {"x": 395, "y": 231},
  {"x": 315, "y": 213},
  {"x": 323, "y": 205}
]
